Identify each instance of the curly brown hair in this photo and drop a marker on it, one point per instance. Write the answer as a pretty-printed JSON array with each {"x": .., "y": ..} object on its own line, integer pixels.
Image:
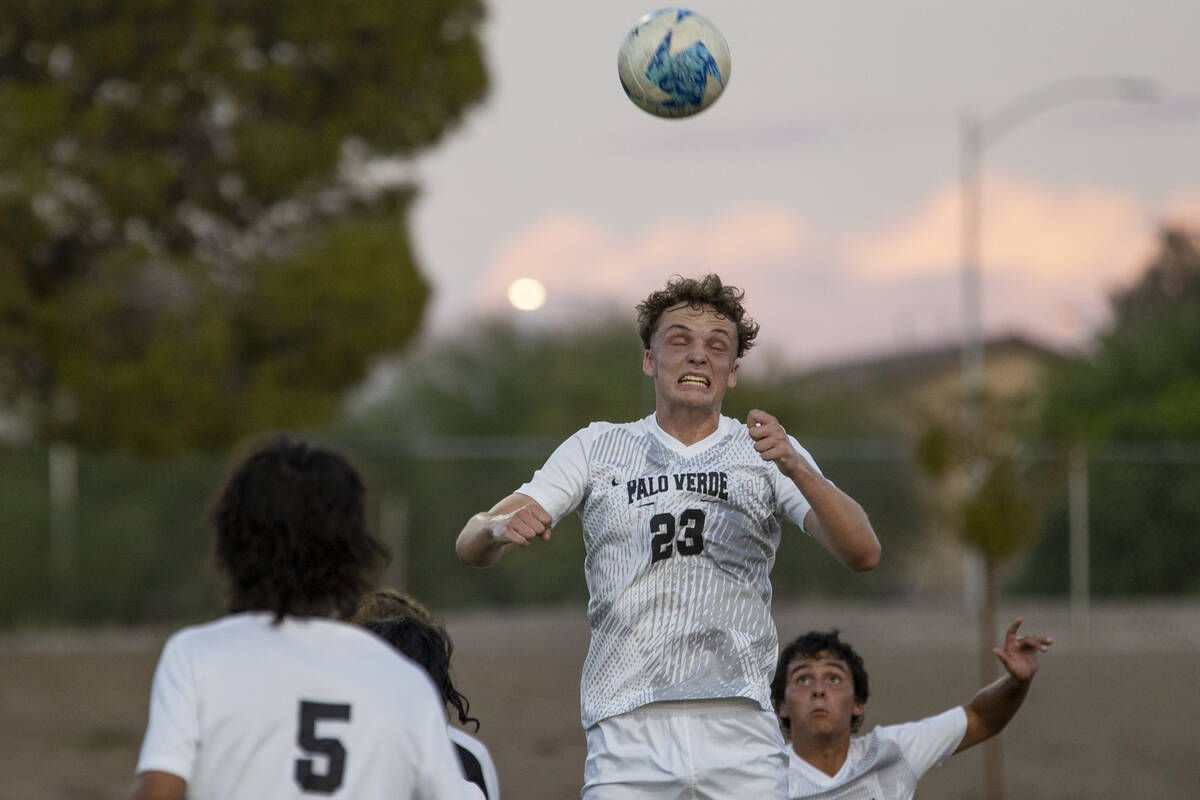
[
  {"x": 388, "y": 603},
  {"x": 291, "y": 534},
  {"x": 698, "y": 293}
]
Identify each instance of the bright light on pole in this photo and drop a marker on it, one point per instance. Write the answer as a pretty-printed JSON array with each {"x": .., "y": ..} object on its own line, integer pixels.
[{"x": 526, "y": 294}]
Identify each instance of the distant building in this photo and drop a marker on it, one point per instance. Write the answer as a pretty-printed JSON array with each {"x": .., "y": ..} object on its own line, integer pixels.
[
  {"x": 900, "y": 392},
  {"x": 931, "y": 378}
]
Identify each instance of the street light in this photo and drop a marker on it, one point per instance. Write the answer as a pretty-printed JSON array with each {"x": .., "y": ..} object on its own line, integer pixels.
[{"x": 976, "y": 135}]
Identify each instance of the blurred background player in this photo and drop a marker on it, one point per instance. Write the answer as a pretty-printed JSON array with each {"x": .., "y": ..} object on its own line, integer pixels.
[
  {"x": 681, "y": 519},
  {"x": 279, "y": 698},
  {"x": 820, "y": 690},
  {"x": 430, "y": 647},
  {"x": 388, "y": 603}
]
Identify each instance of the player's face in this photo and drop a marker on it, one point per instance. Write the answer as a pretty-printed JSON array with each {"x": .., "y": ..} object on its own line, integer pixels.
[
  {"x": 692, "y": 358},
  {"x": 819, "y": 700}
]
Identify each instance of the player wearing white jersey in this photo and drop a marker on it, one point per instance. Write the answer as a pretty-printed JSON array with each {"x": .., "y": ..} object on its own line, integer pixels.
[
  {"x": 820, "y": 691},
  {"x": 279, "y": 699},
  {"x": 417, "y": 636},
  {"x": 681, "y": 515}
]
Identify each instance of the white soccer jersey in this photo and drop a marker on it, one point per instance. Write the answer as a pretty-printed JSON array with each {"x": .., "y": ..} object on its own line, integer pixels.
[
  {"x": 885, "y": 764},
  {"x": 680, "y": 544},
  {"x": 245, "y": 710},
  {"x": 476, "y": 761}
]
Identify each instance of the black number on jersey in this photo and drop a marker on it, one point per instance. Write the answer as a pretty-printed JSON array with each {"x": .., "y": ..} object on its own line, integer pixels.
[
  {"x": 309, "y": 779},
  {"x": 663, "y": 540}
]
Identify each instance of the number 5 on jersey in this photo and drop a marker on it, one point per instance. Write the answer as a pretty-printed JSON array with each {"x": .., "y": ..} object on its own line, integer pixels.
[
  {"x": 663, "y": 540},
  {"x": 307, "y": 777}
]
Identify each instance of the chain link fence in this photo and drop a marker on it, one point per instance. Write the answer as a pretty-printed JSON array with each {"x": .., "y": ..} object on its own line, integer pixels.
[
  {"x": 1123, "y": 521},
  {"x": 91, "y": 537}
]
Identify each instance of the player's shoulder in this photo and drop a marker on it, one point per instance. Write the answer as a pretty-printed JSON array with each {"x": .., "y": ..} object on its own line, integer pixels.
[
  {"x": 260, "y": 632},
  {"x": 227, "y": 628},
  {"x": 601, "y": 427},
  {"x": 945, "y": 726},
  {"x": 949, "y": 717},
  {"x": 603, "y": 431}
]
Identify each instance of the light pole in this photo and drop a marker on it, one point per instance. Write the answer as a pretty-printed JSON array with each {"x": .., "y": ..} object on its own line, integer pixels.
[{"x": 976, "y": 135}]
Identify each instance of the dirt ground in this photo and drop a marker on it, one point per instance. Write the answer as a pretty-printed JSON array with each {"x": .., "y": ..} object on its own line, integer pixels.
[{"x": 1111, "y": 715}]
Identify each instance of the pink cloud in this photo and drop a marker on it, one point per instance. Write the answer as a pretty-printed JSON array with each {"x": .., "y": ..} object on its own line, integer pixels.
[
  {"x": 1047, "y": 235},
  {"x": 580, "y": 259},
  {"x": 1183, "y": 209},
  {"x": 1051, "y": 256}
]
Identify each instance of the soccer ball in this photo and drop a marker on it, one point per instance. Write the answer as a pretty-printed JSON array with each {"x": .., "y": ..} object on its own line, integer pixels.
[{"x": 674, "y": 63}]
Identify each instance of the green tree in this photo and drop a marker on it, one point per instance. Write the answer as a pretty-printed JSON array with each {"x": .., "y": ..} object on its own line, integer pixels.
[
  {"x": 1142, "y": 378},
  {"x": 192, "y": 243},
  {"x": 1139, "y": 383},
  {"x": 980, "y": 489}
]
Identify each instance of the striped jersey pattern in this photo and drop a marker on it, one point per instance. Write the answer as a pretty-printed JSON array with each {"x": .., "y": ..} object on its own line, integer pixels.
[{"x": 680, "y": 544}]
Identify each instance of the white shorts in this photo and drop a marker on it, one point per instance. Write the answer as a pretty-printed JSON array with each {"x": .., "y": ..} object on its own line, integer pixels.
[{"x": 688, "y": 749}]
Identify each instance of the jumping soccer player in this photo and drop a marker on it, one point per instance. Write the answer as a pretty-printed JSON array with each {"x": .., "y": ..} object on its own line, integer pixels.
[
  {"x": 681, "y": 520},
  {"x": 279, "y": 698},
  {"x": 820, "y": 691}
]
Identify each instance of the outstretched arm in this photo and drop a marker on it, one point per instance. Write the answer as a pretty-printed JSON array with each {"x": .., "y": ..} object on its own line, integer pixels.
[
  {"x": 517, "y": 519},
  {"x": 835, "y": 520},
  {"x": 154, "y": 785},
  {"x": 993, "y": 706}
]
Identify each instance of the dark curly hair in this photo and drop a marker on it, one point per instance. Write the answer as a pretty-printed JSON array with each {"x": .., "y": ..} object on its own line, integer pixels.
[
  {"x": 291, "y": 532},
  {"x": 388, "y": 603},
  {"x": 698, "y": 293},
  {"x": 429, "y": 646},
  {"x": 812, "y": 645}
]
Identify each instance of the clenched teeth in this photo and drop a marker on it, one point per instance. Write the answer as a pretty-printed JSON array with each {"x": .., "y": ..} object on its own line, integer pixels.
[{"x": 695, "y": 380}]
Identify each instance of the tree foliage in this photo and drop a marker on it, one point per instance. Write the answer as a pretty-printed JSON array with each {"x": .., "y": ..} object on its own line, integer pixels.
[
  {"x": 978, "y": 479},
  {"x": 1140, "y": 385},
  {"x": 1142, "y": 380},
  {"x": 192, "y": 245}
]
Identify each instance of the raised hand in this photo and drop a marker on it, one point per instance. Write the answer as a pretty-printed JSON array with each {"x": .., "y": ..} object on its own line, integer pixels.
[
  {"x": 1020, "y": 653},
  {"x": 771, "y": 441}
]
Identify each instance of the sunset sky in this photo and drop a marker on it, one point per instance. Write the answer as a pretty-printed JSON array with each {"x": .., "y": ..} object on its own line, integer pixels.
[{"x": 825, "y": 179}]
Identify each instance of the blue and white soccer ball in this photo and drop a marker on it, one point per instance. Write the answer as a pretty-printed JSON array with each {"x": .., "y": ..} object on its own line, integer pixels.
[{"x": 674, "y": 63}]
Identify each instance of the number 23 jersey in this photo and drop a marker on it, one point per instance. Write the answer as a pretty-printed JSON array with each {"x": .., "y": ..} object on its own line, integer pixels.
[{"x": 680, "y": 542}]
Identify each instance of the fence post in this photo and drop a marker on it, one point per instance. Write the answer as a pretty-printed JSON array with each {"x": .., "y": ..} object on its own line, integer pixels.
[
  {"x": 393, "y": 526},
  {"x": 63, "y": 465},
  {"x": 973, "y": 568},
  {"x": 1077, "y": 515}
]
